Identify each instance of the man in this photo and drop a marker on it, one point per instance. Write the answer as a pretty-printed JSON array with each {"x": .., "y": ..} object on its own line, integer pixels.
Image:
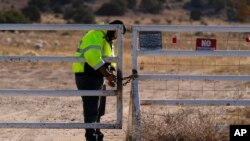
[{"x": 90, "y": 75}]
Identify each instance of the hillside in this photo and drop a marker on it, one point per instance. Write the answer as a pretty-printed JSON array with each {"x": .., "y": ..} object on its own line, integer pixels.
[
  {"x": 174, "y": 12},
  {"x": 8, "y": 4}
]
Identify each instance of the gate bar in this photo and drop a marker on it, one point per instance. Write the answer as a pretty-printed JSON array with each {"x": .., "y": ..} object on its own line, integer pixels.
[
  {"x": 193, "y": 77},
  {"x": 59, "y": 125},
  {"x": 196, "y": 53},
  {"x": 57, "y": 26},
  {"x": 52, "y": 58},
  {"x": 181, "y": 28},
  {"x": 18, "y": 92},
  {"x": 239, "y": 102}
]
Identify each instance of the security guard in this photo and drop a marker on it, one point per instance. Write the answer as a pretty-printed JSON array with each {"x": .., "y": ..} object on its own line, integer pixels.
[{"x": 89, "y": 75}]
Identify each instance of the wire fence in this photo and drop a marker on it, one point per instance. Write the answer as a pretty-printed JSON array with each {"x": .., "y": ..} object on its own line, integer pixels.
[{"x": 212, "y": 81}]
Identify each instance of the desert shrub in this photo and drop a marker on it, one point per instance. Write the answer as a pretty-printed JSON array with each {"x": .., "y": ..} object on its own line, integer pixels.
[
  {"x": 244, "y": 13},
  {"x": 195, "y": 14},
  {"x": 33, "y": 13},
  {"x": 77, "y": 3},
  {"x": 152, "y": 6},
  {"x": 90, "y": 0},
  {"x": 181, "y": 126},
  {"x": 41, "y": 4},
  {"x": 240, "y": 9},
  {"x": 220, "y": 4},
  {"x": 196, "y": 3},
  {"x": 13, "y": 16},
  {"x": 82, "y": 14},
  {"x": 131, "y": 4},
  {"x": 115, "y": 7}
]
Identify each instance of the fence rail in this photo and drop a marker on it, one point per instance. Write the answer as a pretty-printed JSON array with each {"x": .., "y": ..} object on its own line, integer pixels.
[
  {"x": 209, "y": 28},
  {"x": 193, "y": 77},
  {"x": 52, "y": 58},
  {"x": 196, "y": 53},
  {"x": 59, "y": 27},
  {"x": 19, "y": 92},
  {"x": 134, "y": 126},
  {"x": 59, "y": 125},
  {"x": 242, "y": 102}
]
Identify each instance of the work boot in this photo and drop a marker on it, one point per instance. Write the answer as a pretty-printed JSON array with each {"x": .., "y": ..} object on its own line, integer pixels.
[
  {"x": 91, "y": 138},
  {"x": 99, "y": 136},
  {"x": 90, "y": 135}
]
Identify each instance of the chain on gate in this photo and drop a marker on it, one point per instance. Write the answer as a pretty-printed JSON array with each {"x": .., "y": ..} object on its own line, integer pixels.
[{"x": 129, "y": 78}]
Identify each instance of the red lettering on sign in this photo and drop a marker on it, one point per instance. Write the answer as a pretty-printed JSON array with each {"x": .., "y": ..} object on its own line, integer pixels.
[
  {"x": 248, "y": 39},
  {"x": 205, "y": 44},
  {"x": 174, "y": 40}
]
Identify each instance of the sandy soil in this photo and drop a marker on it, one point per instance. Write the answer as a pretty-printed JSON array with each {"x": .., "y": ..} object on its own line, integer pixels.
[
  {"x": 47, "y": 109},
  {"x": 40, "y": 75}
]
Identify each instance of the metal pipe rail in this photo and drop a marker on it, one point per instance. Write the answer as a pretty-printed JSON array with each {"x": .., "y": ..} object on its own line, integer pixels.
[
  {"x": 196, "y": 53},
  {"x": 62, "y": 27},
  {"x": 193, "y": 77},
  {"x": 52, "y": 58},
  {"x": 19, "y": 92},
  {"x": 238, "y": 102},
  {"x": 57, "y": 26},
  {"x": 208, "y": 28},
  {"x": 59, "y": 125}
]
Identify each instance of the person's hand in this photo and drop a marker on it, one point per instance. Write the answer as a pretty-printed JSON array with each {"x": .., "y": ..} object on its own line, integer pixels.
[
  {"x": 108, "y": 75},
  {"x": 111, "y": 79},
  {"x": 111, "y": 84},
  {"x": 112, "y": 69}
]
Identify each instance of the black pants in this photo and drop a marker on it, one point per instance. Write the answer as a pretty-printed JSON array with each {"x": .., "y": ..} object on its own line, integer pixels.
[{"x": 92, "y": 106}]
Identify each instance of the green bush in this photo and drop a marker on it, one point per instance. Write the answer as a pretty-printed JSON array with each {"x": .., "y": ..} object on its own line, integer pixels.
[
  {"x": 77, "y": 3},
  {"x": 84, "y": 15},
  {"x": 81, "y": 14},
  {"x": 195, "y": 14},
  {"x": 220, "y": 4},
  {"x": 42, "y": 5},
  {"x": 33, "y": 13},
  {"x": 152, "y": 6},
  {"x": 115, "y": 8},
  {"x": 13, "y": 16},
  {"x": 196, "y": 3},
  {"x": 131, "y": 4}
]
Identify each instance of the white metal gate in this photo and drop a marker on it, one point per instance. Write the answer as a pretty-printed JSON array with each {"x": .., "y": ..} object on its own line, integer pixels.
[
  {"x": 134, "y": 123},
  {"x": 66, "y": 125}
]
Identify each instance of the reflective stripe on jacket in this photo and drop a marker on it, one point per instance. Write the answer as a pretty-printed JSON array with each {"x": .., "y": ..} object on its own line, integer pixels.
[{"x": 93, "y": 47}]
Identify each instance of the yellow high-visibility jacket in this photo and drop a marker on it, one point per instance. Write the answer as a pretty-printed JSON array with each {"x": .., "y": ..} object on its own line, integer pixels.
[{"x": 93, "y": 47}]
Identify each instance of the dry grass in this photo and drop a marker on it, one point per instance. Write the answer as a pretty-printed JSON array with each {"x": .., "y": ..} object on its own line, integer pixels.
[{"x": 184, "y": 125}]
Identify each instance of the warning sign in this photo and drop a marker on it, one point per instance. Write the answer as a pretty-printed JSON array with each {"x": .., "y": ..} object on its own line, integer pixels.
[
  {"x": 150, "y": 40},
  {"x": 205, "y": 44}
]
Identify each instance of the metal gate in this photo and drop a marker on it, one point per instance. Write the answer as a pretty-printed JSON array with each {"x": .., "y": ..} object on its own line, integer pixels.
[
  {"x": 66, "y": 125},
  {"x": 134, "y": 123}
]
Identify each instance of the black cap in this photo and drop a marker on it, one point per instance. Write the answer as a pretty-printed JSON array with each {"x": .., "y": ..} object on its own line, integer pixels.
[{"x": 119, "y": 22}]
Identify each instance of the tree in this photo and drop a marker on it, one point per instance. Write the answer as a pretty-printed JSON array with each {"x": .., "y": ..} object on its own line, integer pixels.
[
  {"x": 195, "y": 14},
  {"x": 152, "y": 6},
  {"x": 242, "y": 9},
  {"x": 13, "y": 16},
  {"x": 82, "y": 14},
  {"x": 115, "y": 7},
  {"x": 42, "y": 5},
  {"x": 131, "y": 4},
  {"x": 33, "y": 13}
]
